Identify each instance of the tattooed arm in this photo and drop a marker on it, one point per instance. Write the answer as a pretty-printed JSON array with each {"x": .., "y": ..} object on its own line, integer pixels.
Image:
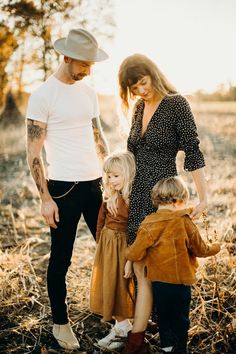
[
  {"x": 36, "y": 133},
  {"x": 100, "y": 140}
]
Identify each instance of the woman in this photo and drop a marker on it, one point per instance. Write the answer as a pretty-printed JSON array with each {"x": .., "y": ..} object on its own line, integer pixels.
[{"x": 162, "y": 125}]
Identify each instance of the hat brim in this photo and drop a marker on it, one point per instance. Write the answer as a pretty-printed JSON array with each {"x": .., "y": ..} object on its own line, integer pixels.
[{"x": 59, "y": 46}]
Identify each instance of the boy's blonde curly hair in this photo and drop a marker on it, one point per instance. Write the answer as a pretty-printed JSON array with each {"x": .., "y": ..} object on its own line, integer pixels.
[{"x": 169, "y": 190}]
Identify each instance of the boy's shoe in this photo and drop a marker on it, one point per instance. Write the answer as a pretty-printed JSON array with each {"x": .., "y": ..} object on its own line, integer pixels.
[
  {"x": 65, "y": 336},
  {"x": 136, "y": 344},
  {"x": 109, "y": 342}
]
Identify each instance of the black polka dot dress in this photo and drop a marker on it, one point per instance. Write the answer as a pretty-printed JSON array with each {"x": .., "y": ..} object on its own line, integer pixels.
[{"x": 171, "y": 128}]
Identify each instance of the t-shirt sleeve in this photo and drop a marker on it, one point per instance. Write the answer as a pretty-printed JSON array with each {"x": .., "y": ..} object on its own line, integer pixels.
[
  {"x": 37, "y": 108},
  {"x": 188, "y": 136}
]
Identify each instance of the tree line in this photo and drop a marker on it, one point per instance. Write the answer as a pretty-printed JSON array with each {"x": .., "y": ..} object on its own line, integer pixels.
[
  {"x": 27, "y": 28},
  {"x": 224, "y": 92}
]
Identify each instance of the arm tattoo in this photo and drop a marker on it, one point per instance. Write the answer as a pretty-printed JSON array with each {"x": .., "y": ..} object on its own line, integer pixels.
[
  {"x": 99, "y": 143},
  {"x": 34, "y": 130},
  {"x": 99, "y": 138},
  {"x": 38, "y": 173}
]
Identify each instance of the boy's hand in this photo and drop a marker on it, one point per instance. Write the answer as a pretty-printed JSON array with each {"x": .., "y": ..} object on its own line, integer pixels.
[{"x": 128, "y": 269}]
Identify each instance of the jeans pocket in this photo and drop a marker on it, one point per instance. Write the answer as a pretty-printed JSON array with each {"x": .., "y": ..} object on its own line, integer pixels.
[{"x": 96, "y": 186}]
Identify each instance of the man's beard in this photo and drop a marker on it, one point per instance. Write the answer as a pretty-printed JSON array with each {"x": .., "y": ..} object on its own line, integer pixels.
[{"x": 77, "y": 77}]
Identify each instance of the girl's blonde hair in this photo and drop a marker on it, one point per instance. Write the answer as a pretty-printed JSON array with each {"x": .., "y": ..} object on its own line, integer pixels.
[
  {"x": 133, "y": 69},
  {"x": 125, "y": 162},
  {"x": 169, "y": 190}
]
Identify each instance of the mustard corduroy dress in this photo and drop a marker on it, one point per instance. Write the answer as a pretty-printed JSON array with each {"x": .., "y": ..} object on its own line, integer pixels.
[{"x": 111, "y": 294}]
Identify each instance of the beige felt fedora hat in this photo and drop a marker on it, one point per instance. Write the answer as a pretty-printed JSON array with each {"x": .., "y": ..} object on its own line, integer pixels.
[{"x": 80, "y": 45}]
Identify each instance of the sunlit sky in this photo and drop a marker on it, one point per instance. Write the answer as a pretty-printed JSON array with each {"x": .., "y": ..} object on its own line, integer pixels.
[{"x": 192, "y": 41}]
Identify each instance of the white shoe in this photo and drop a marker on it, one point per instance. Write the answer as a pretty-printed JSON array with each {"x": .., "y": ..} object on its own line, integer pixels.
[
  {"x": 109, "y": 342},
  {"x": 65, "y": 336}
]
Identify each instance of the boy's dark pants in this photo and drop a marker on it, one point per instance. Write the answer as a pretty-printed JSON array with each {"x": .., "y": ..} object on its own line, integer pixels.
[
  {"x": 172, "y": 304},
  {"x": 85, "y": 198}
]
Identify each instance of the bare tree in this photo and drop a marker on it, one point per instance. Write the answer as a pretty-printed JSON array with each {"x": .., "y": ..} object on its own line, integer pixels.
[
  {"x": 7, "y": 45},
  {"x": 33, "y": 22}
]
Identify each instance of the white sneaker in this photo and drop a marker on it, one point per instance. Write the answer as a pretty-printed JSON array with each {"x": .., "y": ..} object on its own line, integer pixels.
[
  {"x": 65, "y": 336},
  {"x": 167, "y": 349},
  {"x": 109, "y": 342}
]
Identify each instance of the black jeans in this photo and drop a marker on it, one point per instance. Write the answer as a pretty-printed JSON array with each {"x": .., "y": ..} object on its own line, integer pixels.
[
  {"x": 85, "y": 198},
  {"x": 172, "y": 304}
]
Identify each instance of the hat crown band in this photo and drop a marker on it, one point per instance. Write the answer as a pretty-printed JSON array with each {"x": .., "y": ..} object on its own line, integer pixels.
[{"x": 86, "y": 46}]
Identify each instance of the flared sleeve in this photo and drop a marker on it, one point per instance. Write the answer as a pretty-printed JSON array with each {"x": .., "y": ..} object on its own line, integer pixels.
[{"x": 188, "y": 136}]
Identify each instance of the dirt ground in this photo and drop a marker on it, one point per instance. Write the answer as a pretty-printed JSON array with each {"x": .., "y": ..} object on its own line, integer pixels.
[{"x": 25, "y": 319}]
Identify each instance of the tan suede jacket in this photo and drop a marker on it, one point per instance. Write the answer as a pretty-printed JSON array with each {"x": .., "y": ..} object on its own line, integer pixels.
[{"x": 170, "y": 242}]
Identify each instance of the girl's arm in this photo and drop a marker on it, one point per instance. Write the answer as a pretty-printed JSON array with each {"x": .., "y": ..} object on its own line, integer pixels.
[
  {"x": 201, "y": 186},
  {"x": 100, "y": 221}
]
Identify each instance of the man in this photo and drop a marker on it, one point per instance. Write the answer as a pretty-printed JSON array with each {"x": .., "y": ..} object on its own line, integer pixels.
[{"x": 63, "y": 116}]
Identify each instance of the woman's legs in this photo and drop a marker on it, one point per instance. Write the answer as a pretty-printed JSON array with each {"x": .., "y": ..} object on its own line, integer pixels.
[{"x": 143, "y": 306}]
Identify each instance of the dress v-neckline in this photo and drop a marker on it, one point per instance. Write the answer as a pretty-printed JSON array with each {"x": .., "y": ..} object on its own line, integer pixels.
[{"x": 141, "y": 133}]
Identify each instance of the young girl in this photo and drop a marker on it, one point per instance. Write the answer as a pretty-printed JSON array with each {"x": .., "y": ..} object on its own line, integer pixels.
[{"x": 112, "y": 292}]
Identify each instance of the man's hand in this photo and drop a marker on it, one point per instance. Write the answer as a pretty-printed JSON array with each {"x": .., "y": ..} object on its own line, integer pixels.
[{"x": 50, "y": 212}]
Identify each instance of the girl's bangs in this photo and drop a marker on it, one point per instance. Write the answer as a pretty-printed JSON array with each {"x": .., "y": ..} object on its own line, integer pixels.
[{"x": 110, "y": 165}]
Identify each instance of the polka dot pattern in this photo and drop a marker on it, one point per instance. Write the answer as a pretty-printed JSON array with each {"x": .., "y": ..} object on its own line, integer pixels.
[{"x": 172, "y": 128}]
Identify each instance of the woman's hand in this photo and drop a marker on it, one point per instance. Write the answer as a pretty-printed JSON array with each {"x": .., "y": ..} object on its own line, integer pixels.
[
  {"x": 128, "y": 269},
  {"x": 201, "y": 186},
  {"x": 198, "y": 210}
]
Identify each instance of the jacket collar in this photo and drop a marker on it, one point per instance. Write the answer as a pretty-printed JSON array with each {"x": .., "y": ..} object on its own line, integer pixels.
[{"x": 166, "y": 214}]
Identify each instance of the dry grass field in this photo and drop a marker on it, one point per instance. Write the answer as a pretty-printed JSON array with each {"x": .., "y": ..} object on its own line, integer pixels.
[{"x": 25, "y": 319}]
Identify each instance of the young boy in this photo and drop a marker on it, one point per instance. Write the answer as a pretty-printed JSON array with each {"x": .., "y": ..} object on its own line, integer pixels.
[{"x": 170, "y": 243}]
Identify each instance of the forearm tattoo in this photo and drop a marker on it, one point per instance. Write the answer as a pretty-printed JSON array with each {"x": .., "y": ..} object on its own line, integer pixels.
[
  {"x": 102, "y": 151},
  {"x": 100, "y": 142},
  {"x": 38, "y": 174},
  {"x": 34, "y": 130}
]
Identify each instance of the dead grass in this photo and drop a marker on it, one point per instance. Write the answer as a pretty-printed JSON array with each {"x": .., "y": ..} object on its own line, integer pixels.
[
  {"x": 12, "y": 140},
  {"x": 25, "y": 320}
]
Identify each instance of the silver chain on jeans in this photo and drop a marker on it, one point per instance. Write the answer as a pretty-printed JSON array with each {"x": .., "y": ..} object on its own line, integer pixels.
[{"x": 63, "y": 195}]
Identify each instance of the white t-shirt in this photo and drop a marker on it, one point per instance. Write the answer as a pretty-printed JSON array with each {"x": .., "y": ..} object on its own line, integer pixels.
[{"x": 68, "y": 111}]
